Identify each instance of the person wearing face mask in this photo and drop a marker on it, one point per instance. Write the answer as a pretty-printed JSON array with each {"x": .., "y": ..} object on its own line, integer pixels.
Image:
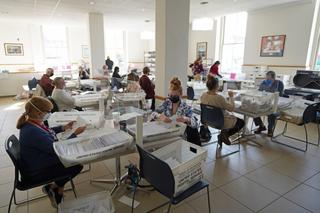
[
  {"x": 61, "y": 97},
  {"x": 232, "y": 124},
  {"x": 270, "y": 84},
  {"x": 46, "y": 83},
  {"x": 37, "y": 156},
  {"x": 175, "y": 109}
]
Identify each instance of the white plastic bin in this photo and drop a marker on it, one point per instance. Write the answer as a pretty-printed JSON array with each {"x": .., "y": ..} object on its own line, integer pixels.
[
  {"x": 100, "y": 202},
  {"x": 186, "y": 161}
]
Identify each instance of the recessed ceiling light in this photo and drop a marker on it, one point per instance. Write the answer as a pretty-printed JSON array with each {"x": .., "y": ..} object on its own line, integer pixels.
[
  {"x": 142, "y": 9},
  {"x": 204, "y": 2},
  {"x": 91, "y": 2}
]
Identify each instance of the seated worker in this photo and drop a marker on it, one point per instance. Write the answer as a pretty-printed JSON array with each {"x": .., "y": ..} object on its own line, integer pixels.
[
  {"x": 148, "y": 87},
  {"x": 82, "y": 73},
  {"x": 61, "y": 97},
  {"x": 175, "y": 109},
  {"x": 270, "y": 84},
  {"x": 116, "y": 79},
  {"x": 232, "y": 124},
  {"x": 46, "y": 83},
  {"x": 38, "y": 159},
  {"x": 133, "y": 83}
]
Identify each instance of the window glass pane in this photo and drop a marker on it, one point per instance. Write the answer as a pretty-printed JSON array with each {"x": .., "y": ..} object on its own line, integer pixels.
[
  {"x": 235, "y": 28},
  {"x": 233, "y": 42},
  {"x": 55, "y": 47}
]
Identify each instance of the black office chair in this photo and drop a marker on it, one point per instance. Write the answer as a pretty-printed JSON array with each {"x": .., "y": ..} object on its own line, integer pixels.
[
  {"x": 12, "y": 146},
  {"x": 213, "y": 117},
  {"x": 310, "y": 114},
  {"x": 159, "y": 175},
  {"x": 190, "y": 93}
]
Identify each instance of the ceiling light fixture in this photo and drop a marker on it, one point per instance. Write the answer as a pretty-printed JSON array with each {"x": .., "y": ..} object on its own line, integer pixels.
[
  {"x": 142, "y": 9},
  {"x": 204, "y": 2},
  {"x": 91, "y": 2}
]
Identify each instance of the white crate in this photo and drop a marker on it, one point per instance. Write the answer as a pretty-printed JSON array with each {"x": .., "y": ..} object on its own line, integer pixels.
[
  {"x": 97, "y": 202},
  {"x": 186, "y": 161},
  {"x": 257, "y": 101}
]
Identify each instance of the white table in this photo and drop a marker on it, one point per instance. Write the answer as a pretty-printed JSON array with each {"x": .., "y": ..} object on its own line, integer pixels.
[{"x": 283, "y": 105}]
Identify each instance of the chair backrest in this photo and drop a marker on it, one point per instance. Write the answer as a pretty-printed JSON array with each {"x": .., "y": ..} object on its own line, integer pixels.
[
  {"x": 55, "y": 106},
  {"x": 310, "y": 113},
  {"x": 40, "y": 91},
  {"x": 32, "y": 83},
  {"x": 12, "y": 146},
  {"x": 157, "y": 173},
  {"x": 212, "y": 116},
  {"x": 190, "y": 93}
]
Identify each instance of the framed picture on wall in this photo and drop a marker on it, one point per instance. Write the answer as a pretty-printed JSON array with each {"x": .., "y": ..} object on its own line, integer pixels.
[
  {"x": 272, "y": 46},
  {"x": 13, "y": 49},
  {"x": 202, "y": 49},
  {"x": 85, "y": 51}
]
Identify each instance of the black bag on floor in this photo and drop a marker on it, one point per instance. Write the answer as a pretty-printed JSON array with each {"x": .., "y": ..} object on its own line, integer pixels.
[
  {"x": 192, "y": 135},
  {"x": 205, "y": 134}
]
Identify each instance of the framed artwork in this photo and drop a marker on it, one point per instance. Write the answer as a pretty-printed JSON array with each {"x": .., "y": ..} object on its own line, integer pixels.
[
  {"x": 202, "y": 49},
  {"x": 85, "y": 51},
  {"x": 13, "y": 49},
  {"x": 272, "y": 46}
]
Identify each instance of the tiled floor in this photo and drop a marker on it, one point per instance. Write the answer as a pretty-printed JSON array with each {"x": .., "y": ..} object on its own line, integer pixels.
[{"x": 268, "y": 179}]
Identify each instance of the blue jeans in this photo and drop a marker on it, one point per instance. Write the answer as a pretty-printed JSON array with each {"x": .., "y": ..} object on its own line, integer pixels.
[{"x": 271, "y": 121}]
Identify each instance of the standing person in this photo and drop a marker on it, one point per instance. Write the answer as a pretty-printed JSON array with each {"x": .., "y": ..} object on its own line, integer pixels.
[
  {"x": 232, "y": 124},
  {"x": 46, "y": 83},
  {"x": 175, "y": 109},
  {"x": 37, "y": 156},
  {"x": 109, "y": 64},
  {"x": 148, "y": 87},
  {"x": 197, "y": 67},
  {"x": 214, "y": 69},
  {"x": 270, "y": 84}
]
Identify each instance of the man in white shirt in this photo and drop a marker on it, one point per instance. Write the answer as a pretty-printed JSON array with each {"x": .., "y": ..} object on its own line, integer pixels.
[{"x": 63, "y": 99}]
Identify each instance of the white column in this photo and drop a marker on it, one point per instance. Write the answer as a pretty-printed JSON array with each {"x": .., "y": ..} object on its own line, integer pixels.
[
  {"x": 172, "y": 33},
  {"x": 96, "y": 38}
]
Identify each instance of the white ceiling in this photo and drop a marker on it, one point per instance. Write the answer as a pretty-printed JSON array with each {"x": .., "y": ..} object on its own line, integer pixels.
[{"x": 118, "y": 13}]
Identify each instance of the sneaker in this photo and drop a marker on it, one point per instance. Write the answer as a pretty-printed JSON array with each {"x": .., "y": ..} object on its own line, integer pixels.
[
  {"x": 47, "y": 189},
  {"x": 270, "y": 133},
  {"x": 260, "y": 129},
  {"x": 225, "y": 138}
]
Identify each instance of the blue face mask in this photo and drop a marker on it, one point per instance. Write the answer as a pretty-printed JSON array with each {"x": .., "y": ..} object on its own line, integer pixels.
[{"x": 268, "y": 82}]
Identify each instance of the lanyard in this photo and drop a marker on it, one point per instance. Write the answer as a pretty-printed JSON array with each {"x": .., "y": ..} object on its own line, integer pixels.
[{"x": 48, "y": 130}]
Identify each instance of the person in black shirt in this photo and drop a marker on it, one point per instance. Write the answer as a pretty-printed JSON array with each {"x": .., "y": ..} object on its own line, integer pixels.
[{"x": 109, "y": 64}]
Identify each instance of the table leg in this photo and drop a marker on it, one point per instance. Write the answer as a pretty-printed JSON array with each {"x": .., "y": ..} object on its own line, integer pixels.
[{"x": 116, "y": 181}]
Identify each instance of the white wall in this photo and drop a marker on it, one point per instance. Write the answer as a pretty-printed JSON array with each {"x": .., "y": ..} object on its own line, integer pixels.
[
  {"x": 137, "y": 46},
  {"x": 201, "y": 36},
  {"x": 293, "y": 20},
  {"x": 77, "y": 36},
  {"x": 16, "y": 33}
]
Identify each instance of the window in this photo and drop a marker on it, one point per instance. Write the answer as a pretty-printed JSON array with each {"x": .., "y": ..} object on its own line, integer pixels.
[
  {"x": 55, "y": 47},
  {"x": 234, "y": 32}
]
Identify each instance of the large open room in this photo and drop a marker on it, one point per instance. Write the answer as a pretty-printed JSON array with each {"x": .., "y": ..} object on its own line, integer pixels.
[{"x": 183, "y": 106}]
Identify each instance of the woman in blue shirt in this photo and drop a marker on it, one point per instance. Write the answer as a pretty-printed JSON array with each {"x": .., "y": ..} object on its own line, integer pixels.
[
  {"x": 38, "y": 159},
  {"x": 174, "y": 108}
]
